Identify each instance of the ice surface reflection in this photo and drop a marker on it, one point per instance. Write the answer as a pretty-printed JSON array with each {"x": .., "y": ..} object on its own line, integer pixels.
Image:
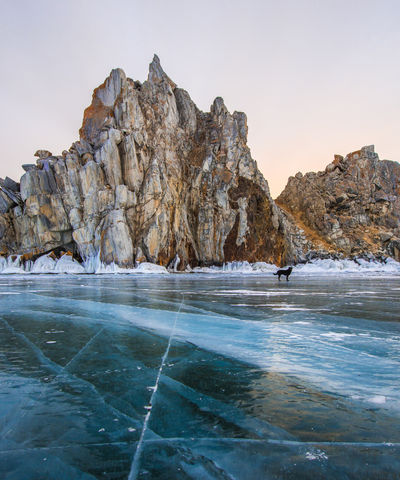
[{"x": 193, "y": 376}]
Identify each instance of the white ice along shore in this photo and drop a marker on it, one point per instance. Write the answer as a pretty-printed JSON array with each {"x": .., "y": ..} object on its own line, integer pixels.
[
  {"x": 319, "y": 267},
  {"x": 68, "y": 265}
]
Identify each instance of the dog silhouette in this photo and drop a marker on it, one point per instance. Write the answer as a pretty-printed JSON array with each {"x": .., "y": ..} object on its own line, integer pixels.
[{"x": 286, "y": 272}]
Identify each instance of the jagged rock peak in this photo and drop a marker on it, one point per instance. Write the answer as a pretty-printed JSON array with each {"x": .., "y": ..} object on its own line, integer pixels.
[
  {"x": 152, "y": 177},
  {"x": 112, "y": 87},
  {"x": 100, "y": 113},
  {"x": 218, "y": 107},
  {"x": 157, "y": 74},
  {"x": 367, "y": 151},
  {"x": 43, "y": 154}
]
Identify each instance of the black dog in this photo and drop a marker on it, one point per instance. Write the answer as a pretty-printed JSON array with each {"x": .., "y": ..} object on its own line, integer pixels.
[{"x": 286, "y": 272}]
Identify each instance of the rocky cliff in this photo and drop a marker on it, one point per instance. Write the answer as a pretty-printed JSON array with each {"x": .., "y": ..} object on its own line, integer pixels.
[
  {"x": 352, "y": 208},
  {"x": 151, "y": 177}
]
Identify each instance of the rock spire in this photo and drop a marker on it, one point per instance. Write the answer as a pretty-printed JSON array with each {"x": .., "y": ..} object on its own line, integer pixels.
[{"x": 151, "y": 178}]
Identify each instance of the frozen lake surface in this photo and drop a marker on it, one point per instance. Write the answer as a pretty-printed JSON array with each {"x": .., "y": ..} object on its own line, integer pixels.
[{"x": 199, "y": 376}]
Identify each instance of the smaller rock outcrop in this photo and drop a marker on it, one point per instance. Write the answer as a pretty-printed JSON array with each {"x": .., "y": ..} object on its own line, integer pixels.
[{"x": 351, "y": 208}]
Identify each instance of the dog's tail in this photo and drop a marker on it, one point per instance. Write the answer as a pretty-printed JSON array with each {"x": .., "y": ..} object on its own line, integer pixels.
[{"x": 276, "y": 273}]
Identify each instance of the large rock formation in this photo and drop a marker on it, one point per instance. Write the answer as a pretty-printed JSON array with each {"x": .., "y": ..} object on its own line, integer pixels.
[
  {"x": 353, "y": 207},
  {"x": 150, "y": 177}
]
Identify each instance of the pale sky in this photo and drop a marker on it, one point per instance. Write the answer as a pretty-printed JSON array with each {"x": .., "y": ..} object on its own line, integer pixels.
[{"x": 315, "y": 78}]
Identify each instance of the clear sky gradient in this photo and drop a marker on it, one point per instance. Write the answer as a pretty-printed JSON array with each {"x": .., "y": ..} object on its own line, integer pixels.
[{"x": 314, "y": 77}]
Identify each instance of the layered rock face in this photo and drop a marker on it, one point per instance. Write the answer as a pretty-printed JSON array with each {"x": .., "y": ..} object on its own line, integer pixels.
[
  {"x": 152, "y": 177},
  {"x": 353, "y": 207}
]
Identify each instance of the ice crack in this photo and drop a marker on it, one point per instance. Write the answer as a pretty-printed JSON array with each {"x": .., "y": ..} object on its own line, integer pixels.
[
  {"x": 58, "y": 369},
  {"x": 83, "y": 348},
  {"x": 214, "y": 440},
  {"x": 136, "y": 458}
]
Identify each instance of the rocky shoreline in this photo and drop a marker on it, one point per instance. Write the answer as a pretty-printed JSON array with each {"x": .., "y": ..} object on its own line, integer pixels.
[{"x": 153, "y": 179}]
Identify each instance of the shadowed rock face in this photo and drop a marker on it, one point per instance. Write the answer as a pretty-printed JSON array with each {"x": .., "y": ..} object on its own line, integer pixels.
[
  {"x": 352, "y": 207},
  {"x": 151, "y": 177}
]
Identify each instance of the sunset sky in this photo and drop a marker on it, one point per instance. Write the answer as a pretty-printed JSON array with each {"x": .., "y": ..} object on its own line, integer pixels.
[{"x": 314, "y": 77}]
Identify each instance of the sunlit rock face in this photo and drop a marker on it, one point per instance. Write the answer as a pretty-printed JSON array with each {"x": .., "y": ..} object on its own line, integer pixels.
[
  {"x": 151, "y": 177},
  {"x": 352, "y": 207}
]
